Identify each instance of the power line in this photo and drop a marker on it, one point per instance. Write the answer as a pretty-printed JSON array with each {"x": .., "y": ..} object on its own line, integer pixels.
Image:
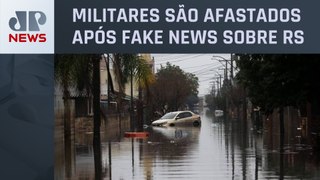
[
  {"x": 191, "y": 67},
  {"x": 184, "y": 59},
  {"x": 206, "y": 69},
  {"x": 174, "y": 57},
  {"x": 189, "y": 58}
]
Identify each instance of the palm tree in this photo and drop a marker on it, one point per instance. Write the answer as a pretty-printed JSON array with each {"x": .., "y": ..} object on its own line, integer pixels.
[
  {"x": 144, "y": 78},
  {"x": 121, "y": 72},
  {"x": 128, "y": 67},
  {"x": 77, "y": 72},
  {"x": 82, "y": 73}
]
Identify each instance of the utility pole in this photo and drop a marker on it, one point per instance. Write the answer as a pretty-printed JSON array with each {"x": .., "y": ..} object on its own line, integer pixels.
[
  {"x": 233, "y": 58},
  {"x": 216, "y": 85},
  {"x": 230, "y": 61},
  {"x": 219, "y": 80},
  {"x": 109, "y": 80},
  {"x": 131, "y": 99},
  {"x": 220, "y": 77},
  {"x": 218, "y": 88},
  {"x": 231, "y": 68},
  {"x": 226, "y": 76},
  {"x": 227, "y": 84}
]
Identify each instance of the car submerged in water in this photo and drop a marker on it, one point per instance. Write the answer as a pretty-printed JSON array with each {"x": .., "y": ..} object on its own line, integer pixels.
[{"x": 183, "y": 118}]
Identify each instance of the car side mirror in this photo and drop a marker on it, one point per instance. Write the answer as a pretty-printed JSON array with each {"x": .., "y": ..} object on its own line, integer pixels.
[{"x": 178, "y": 118}]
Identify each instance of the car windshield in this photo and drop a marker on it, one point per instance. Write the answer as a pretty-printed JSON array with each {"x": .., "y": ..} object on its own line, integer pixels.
[{"x": 169, "y": 116}]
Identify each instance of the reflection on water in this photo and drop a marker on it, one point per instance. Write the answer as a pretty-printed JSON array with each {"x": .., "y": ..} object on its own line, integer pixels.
[{"x": 220, "y": 149}]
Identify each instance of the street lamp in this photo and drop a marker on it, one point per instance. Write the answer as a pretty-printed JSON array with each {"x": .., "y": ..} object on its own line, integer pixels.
[{"x": 228, "y": 61}]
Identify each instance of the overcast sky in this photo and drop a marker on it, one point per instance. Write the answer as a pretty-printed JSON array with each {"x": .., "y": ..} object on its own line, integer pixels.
[{"x": 204, "y": 66}]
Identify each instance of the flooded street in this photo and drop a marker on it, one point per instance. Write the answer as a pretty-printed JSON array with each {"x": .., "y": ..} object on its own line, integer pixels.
[{"x": 219, "y": 149}]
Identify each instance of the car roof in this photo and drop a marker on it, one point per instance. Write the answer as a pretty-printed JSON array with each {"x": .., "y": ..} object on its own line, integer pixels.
[{"x": 179, "y": 111}]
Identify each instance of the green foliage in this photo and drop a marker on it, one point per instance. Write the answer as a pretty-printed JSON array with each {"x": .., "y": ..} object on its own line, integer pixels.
[
  {"x": 143, "y": 73},
  {"x": 274, "y": 81},
  {"x": 121, "y": 66},
  {"x": 217, "y": 100},
  {"x": 82, "y": 73},
  {"x": 74, "y": 71},
  {"x": 172, "y": 88},
  {"x": 127, "y": 64},
  {"x": 192, "y": 100}
]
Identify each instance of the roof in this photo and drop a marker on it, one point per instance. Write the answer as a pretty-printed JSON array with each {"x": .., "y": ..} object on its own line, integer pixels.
[{"x": 179, "y": 111}]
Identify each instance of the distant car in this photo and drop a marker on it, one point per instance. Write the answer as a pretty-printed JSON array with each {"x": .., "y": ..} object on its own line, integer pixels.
[
  {"x": 218, "y": 113},
  {"x": 178, "y": 118}
]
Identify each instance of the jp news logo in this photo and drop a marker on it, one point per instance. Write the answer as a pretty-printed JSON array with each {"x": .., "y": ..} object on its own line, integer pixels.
[{"x": 27, "y": 25}]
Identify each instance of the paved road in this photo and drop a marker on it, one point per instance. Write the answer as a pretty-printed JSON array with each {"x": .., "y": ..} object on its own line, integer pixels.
[{"x": 219, "y": 149}]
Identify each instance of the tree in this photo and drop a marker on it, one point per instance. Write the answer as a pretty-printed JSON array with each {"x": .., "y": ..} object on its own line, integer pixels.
[
  {"x": 125, "y": 64},
  {"x": 144, "y": 78},
  {"x": 82, "y": 72},
  {"x": 276, "y": 81},
  {"x": 122, "y": 74},
  {"x": 71, "y": 72},
  {"x": 134, "y": 69},
  {"x": 217, "y": 99},
  {"x": 192, "y": 100},
  {"x": 172, "y": 88}
]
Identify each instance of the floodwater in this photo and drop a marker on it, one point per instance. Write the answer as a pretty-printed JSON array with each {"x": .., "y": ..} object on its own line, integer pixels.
[{"x": 219, "y": 149}]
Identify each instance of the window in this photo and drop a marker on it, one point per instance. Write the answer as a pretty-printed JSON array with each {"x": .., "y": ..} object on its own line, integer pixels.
[
  {"x": 184, "y": 115},
  {"x": 187, "y": 114},
  {"x": 169, "y": 116}
]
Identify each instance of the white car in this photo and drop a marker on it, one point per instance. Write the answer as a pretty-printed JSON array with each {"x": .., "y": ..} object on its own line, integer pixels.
[
  {"x": 178, "y": 118},
  {"x": 218, "y": 113}
]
